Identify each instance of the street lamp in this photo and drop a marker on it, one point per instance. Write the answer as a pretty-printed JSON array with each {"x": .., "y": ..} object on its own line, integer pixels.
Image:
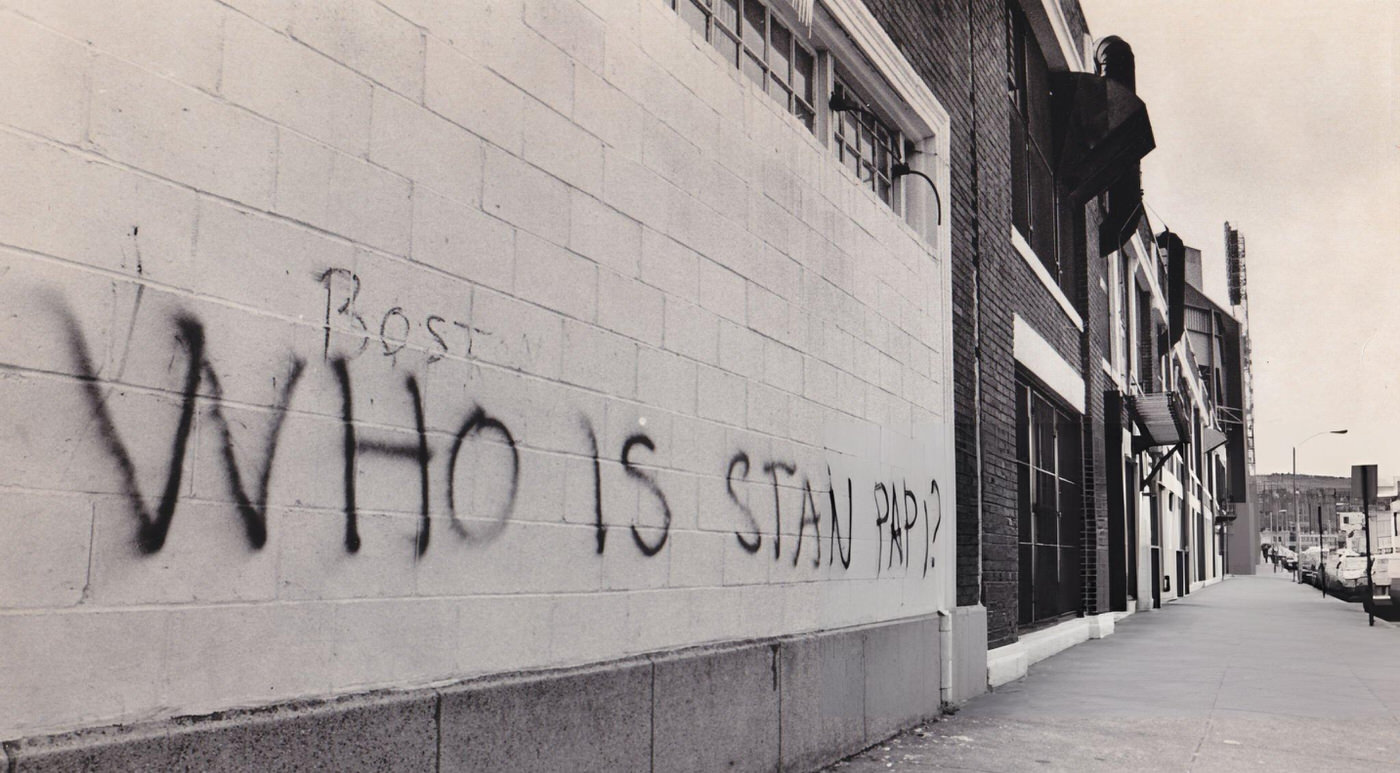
[{"x": 1298, "y": 514}]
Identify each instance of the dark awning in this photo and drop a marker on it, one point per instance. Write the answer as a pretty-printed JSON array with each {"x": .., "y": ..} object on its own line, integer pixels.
[
  {"x": 1122, "y": 213},
  {"x": 1212, "y": 438},
  {"x": 1175, "y": 256},
  {"x": 1106, "y": 132},
  {"x": 1162, "y": 418}
]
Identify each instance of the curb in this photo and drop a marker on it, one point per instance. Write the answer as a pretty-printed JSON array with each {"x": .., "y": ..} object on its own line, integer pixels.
[{"x": 1380, "y": 622}]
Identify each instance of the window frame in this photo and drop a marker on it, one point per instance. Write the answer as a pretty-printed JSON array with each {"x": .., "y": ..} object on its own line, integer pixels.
[
  {"x": 843, "y": 33},
  {"x": 704, "y": 16},
  {"x": 887, "y": 146},
  {"x": 1039, "y": 605},
  {"x": 1040, "y": 210}
]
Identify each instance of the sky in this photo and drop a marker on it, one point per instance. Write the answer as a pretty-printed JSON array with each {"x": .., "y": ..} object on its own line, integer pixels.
[{"x": 1281, "y": 117}]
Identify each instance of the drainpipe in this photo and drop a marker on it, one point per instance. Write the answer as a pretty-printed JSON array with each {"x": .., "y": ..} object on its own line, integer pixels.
[
  {"x": 976, "y": 295},
  {"x": 945, "y": 646}
]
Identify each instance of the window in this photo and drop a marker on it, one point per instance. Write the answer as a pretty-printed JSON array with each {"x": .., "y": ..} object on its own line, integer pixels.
[
  {"x": 1124, "y": 347},
  {"x": 755, "y": 40},
  {"x": 802, "y": 66},
  {"x": 866, "y": 146},
  {"x": 1146, "y": 336},
  {"x": 1048, "y": 487},
  {"x": 1036, "y": 204}
]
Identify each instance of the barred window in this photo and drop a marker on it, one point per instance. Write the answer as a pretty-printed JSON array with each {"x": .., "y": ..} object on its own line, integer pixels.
[
  {"x": 755, "y": 40},
  {"x": 1048, "y": 469},
  {"x": 866, "y": 146},
  {"x": 804, "y": 68}
]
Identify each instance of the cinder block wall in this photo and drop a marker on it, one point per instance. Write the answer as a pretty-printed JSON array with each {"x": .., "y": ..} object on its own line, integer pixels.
[{"x": 351, "y": 344}]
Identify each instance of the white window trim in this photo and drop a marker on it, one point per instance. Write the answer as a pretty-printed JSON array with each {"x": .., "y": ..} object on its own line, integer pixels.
[
  {"x": 1036, "y": 355},
  {"x": 1147, "y": 274},
  {"x": 876, "y": 45},
  {"x": 1118, "y": 330},
  {"x": 877, "y": 68},
  {"x": 1115, "y": 377},
  {"x": 1074, "y": 58},
  {"x": 1027, "y": 254},
  {"x": 1051, "y": 28}
]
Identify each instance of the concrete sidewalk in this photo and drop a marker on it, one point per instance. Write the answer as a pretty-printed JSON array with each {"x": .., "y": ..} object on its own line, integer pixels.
[{"x": 1254, "y": 673}]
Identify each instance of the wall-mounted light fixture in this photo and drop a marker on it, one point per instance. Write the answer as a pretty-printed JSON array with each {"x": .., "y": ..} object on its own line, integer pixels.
[
  {"x": 842, "y": 102},
  {"x": 901, "y": 169}
]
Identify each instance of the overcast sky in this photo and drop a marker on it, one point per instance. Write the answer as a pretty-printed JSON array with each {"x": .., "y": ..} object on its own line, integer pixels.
[{"x": 1280, "y": 116}]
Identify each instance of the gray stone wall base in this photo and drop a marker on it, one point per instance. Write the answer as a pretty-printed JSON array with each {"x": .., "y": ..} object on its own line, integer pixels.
[
  {"x": 969, "y": 653},
  {"x": 792, "y": 703}
]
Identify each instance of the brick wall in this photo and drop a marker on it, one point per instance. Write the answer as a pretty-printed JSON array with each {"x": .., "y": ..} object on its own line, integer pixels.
[
  {"x": 354, "y": 344},
  {"x": 938, "y": 43}
]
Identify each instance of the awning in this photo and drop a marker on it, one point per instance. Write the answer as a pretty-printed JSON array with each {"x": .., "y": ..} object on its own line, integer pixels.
[
  {"x": 1105, "y": 134},
  {"x": 1175, "y": 256},
  {"x": 1123, "y": 212},
  {"x": 1162, "y": 418},
  {"x": 1212, "y": 438}
]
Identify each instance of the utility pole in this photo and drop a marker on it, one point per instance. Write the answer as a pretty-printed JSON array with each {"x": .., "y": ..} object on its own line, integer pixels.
[
  {"x": 1363, "y": 484},
  {"x": 1293, "y": 482},
  {"x": 1321, "y": 556},
  {"x": 1366, "y": 523}
]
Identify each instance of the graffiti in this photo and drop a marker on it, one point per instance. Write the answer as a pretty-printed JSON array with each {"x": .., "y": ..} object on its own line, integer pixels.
[
  {"x": 600, "y": 529},
  {"x": 396, "y": 330},
  {"x": 929, "y": 559},
  {"x": 738, "y": 459},
  {"x": 809, "y": 505},
  {"x": 351, "y": 449},
  {"x": 845, "y": 550},
  {"x": 648, "y": 549},
  {"x": 477, "y": 423},
  {"x": 152, "y": 530},
  {"x": 253, "y": 511},
  {"x": 772, "y": 468},
  {"x": 895, "y": 516},
  {"x": 888, "y": 502}
]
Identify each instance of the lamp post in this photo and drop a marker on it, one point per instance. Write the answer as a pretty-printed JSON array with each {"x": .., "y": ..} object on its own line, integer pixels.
[{"x": 1297, "y": 514}]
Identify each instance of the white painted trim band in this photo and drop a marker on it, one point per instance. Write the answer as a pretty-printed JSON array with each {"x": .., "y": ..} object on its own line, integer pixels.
[{"x": 1035, "y": 354}]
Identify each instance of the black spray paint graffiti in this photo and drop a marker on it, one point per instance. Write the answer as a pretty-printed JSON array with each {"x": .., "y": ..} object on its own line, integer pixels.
[
  {"x": 887, "y": 505},
  {"x": 752, "y": 539},
  {"x": 477, "y": 423},
  {"x": 150, "y": 535},
  {"x": 893, "y": 526},
  {"x": 648, "y": 549},
  {"x": 253, "y": 511}
]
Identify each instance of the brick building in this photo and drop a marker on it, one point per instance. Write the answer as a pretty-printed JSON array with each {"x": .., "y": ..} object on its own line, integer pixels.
[{"x": 709, "y": 383}]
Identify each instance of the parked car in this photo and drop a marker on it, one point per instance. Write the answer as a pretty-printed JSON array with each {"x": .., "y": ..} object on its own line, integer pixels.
[
  {"x": 1385, "y": 570},
  {"x": 1346, "y": 574}
]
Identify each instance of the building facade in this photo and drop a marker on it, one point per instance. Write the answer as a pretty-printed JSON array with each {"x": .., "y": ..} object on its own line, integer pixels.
[
  {"x": 409, "y": 346},
  {"x": 715, "y": 384}
]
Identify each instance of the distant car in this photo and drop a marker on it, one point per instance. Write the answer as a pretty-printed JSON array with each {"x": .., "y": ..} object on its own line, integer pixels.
[{"x": 1308, "y": 564}]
